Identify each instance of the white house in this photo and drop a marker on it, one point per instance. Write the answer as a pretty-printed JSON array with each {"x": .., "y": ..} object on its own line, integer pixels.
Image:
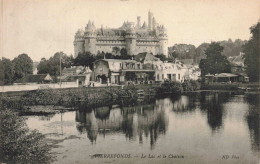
[{"x": 171, "y": 71}]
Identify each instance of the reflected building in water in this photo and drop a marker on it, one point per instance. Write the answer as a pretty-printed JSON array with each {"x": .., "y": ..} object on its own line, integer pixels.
[
  {"x": 135, "y": 122},
  {"x": 184, "y": 103}
]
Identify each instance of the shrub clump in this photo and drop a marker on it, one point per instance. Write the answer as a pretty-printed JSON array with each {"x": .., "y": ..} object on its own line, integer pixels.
[
  {"x": 190, "y": 85},
  {"x": 18, "y": 144},
  {"x": 170, "y": 88}
]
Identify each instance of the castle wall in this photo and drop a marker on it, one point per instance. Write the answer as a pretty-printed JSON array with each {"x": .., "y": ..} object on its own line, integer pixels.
[
  {"x": 79, "y": 47},
  {"x": 134, "y": 47},
  {"x": 107, "y": 45},
  {"x": 164, "y": 47},
  {"x": 131, "y": 46},
  {"x": 90, "y": 45}
]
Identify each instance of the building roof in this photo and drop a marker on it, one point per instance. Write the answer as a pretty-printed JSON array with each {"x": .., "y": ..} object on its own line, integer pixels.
[
  {"x": 169, "y": 66},
  {"x": 114, "y": 64},
  {"x": 187, "y": 61},
  {"x": 236, "y": 60},
  {"x": 119, "y": 60},
  {"x": 74, "y": 70},
  {"x": 225, "y": 75},
  {"x": 74, "y": 78},
  {"x": 146, "y": 57}
]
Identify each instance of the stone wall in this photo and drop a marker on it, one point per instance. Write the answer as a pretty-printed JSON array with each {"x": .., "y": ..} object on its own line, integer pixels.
[{"x": 30, "y": 87}]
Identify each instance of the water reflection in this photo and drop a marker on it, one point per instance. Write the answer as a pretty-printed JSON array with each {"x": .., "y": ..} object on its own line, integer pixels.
[
  {"x": 135, "y": 122},
  {"x": 181, "y": 124},
  {"x": 185, "y": 103},
  {"x": 212, "y": 105},
  {"x": 253, "y": 120}
]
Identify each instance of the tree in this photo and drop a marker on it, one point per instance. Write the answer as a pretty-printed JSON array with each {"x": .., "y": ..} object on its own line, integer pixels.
[
  {"x": 43, "y": 67},
  {"x": 52, "y": 65},
  {"x": 183, "y": 51},
  {"x": 116, "y": 51},
  {"x": 200, "y": 52},
  {"x": 215, "y": 62},
  {"x": 18, "y": 144},
  {"x": 1, "y": 73},
  {"x": 204, "y": 65},
  {"x": 23, "y": 65},
  {"x": 85, "y": 59},
  {"x": 162, "y": 57},
  {"x": 232, "y": 48},
  {"x": 251, "y": 54},
  {"x": 173, "y": 54},
  {"x": 124, "y": 54},
  {"x": 8, "y": 69}
]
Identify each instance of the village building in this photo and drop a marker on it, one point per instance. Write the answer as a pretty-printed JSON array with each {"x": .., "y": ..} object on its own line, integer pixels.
[
  {"x": 117, "y": 71},
  {"x": 194, "y": 72},
  {"x": 78, "y": 74},
  {"x": 74, "y": 70},
  {"x": 145, "y": 69},
  {"x": 171, "y": 72},
  {"x": 237, "y": 63}
]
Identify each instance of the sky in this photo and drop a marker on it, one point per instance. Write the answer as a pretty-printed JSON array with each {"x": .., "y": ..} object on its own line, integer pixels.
[{"x": 40, "y": 28}]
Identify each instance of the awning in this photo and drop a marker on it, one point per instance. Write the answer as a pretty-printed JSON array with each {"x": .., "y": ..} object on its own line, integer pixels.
[{"x": 225, "y": 75}]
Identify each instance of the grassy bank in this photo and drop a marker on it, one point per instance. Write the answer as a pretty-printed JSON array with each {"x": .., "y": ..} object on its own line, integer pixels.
[
  {"x": 49, "y": 101},
  {"x": 68, "y": 99}
]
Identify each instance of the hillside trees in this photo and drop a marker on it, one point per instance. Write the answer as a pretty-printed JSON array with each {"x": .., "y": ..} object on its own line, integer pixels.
[{"x": 252, "y": 53}]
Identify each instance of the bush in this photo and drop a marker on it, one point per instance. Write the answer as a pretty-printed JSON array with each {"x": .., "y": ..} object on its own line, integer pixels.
[
  {"x": 170, "y": 88},
  {"x": 190, "y": 85},
  {"x": 18, "y": 144}
]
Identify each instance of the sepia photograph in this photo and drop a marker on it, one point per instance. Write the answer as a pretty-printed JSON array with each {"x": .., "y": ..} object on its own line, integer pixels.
[{"x": 129, "y": 82}]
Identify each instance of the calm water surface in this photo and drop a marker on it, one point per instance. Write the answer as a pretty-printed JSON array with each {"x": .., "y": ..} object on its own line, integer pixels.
[{"x": 202, "y": 127}]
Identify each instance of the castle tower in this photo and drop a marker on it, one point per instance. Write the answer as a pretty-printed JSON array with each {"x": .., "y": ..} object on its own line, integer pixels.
[
  {"x": 154, "y": 23},
  {"x": 163, "y": 41},
  {"x": 138, "y": 22},
  {"x": 90, "y": 38},
  {"x": 130, "y": 38},
  {"x": 79, "y": 41},
  {"x": 150, "y": 20}
]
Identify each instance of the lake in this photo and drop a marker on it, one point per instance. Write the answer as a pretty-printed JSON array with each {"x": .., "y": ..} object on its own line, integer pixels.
[{"x": 201, "y": 127}]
